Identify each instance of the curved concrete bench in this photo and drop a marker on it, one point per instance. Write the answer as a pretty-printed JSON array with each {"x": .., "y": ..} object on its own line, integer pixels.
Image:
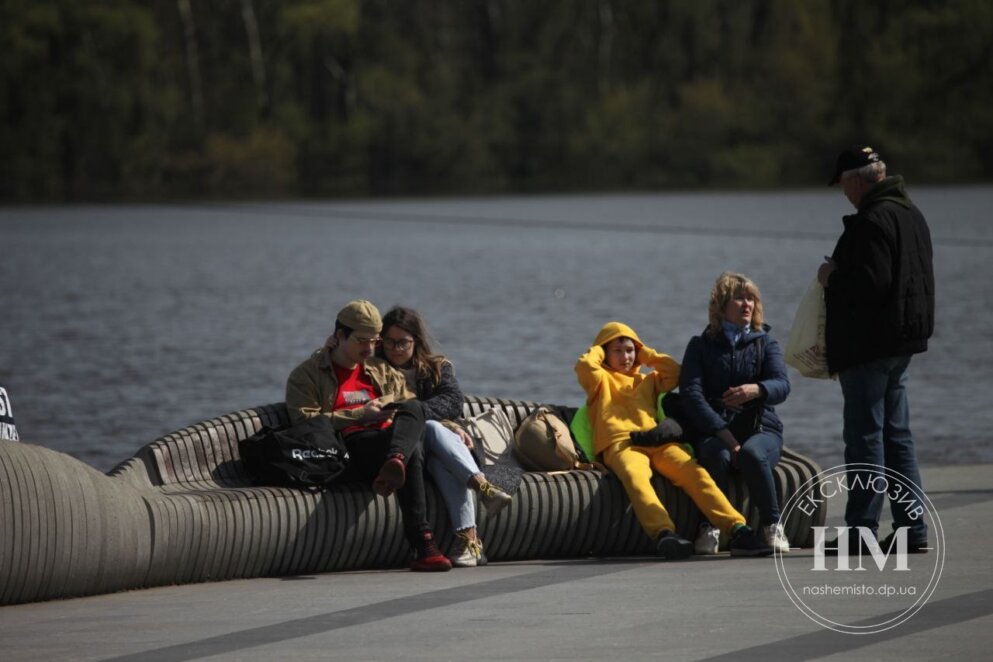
[{"x": 184, "y": 509}]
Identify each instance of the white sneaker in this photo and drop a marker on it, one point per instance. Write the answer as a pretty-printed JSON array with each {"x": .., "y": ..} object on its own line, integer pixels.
[
  {"x": 707, "y": 539},
  {"x": 493, "y": 498},
  {"x": 469, "y": 551},
  {"x": 776, "y": 538}
]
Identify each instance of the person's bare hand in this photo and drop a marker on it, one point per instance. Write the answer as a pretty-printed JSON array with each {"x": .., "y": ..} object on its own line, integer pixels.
[
  {"x": 466, "y": 438},
  {"x": 736, "y": 396},
  {"x": 373, "y": 412},
  {"x": 825, "y": 270}
]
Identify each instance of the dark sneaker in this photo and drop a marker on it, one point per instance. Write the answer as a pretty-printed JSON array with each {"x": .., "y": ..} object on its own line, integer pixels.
[
  {"x": 856, "y": 546},
  {"x": 671, "y": 547},
  {"x": 427, "y": 556},
  {"x": 913, "y": 547},
  {"x": 391, "y": 478},
  {"x": 744, "y": 542}
]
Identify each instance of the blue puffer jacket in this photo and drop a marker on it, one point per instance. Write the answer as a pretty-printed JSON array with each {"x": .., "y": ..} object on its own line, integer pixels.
[{"x": 712, "y": 365}]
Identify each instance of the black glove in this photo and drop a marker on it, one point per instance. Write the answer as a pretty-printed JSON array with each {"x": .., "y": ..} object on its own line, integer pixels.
[{"x": 666, "y": 432}]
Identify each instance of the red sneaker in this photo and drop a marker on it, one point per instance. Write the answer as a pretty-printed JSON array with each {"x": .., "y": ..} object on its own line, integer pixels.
[
  {"x": 391, "y": 478},
  {"x": 427, "y": 556}
]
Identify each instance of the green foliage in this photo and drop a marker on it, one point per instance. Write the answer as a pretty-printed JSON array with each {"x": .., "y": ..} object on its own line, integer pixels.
[
  {"x": 232, "y": 98},
  {"x": 262, "y": 164},
  {"x": 311, "y": 20}
]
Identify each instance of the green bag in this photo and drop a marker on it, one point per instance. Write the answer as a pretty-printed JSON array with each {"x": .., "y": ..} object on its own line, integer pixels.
[
  {"x": 582, "y": 432},
  {"x": 582, "y": 429}
]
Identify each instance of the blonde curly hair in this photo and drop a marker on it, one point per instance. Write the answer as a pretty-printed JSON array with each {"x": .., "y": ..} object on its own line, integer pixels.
[{"x": 727, "y": 286}]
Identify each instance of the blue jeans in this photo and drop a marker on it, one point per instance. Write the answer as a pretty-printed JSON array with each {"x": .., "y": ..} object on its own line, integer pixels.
[
  {"x": 758, "y": 456},
  {"x": 877, "y": 432},
  {"x": 451, "y": 465}
]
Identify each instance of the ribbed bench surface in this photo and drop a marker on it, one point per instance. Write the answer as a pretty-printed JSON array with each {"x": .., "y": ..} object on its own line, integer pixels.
[{"x": 184, "y": 509}]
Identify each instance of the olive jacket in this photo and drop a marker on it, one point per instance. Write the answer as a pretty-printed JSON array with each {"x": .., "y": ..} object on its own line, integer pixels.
[{"x": 312, "y": 388}]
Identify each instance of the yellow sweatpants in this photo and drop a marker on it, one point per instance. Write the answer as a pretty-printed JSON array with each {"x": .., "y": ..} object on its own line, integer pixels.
[{"x": 633, "y": 466}]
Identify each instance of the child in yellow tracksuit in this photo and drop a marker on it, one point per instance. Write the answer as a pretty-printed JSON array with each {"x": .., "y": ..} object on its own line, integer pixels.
[{"x": 621, "y": 400}]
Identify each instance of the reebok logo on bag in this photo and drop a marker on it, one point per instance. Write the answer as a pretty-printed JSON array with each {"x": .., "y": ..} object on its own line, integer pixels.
[
  {"x": 310, "y": 455},
  {"x": 316, "y": 453}
]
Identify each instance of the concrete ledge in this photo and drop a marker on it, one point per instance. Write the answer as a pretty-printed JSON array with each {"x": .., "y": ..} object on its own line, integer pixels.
[
  {"x": 184, "y": 510},
  {"x": 606, "y": 609}
]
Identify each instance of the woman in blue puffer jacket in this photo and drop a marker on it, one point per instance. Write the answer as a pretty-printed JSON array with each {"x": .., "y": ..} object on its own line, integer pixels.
[{"x": 732, "y": 375}]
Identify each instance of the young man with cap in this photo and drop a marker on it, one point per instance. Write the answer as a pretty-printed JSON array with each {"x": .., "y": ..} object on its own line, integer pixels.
[
  {"x": 879, "y": 292},
  {"x": 379, "y": 419}
]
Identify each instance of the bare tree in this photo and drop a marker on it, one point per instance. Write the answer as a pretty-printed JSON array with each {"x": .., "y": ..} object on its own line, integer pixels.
[
  {"x": 255, "y": 51},
  {"x": 192, "y": 60}
]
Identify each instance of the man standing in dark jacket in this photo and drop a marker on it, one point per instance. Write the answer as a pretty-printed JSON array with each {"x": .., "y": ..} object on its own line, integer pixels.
[{"x": 879, "y": 291}]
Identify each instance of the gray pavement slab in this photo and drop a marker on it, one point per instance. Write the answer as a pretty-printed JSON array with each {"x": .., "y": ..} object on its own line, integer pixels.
[{"x": 591, "y": 609}]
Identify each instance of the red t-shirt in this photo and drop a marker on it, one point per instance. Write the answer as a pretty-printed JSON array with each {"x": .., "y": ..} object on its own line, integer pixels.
[{"x": 354, "y": 390}]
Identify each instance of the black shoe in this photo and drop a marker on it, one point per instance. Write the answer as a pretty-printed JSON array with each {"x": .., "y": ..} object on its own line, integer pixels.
[
  {"x": 856, "y": 547},
  {"x": 913, "y": 546},
  {"x": 671, "y": 547},
  {"x": 744, "y": 542}
]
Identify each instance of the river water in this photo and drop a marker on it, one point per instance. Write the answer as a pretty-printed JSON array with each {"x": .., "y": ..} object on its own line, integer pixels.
[{"x": 123, "y": 323}]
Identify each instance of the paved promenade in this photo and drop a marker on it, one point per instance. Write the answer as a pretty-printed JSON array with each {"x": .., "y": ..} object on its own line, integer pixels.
[{"x": 602, "y": 609}]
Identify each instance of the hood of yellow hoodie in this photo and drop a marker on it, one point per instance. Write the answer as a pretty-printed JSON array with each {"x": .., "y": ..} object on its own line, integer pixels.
[{"x": 613, "y": 330}]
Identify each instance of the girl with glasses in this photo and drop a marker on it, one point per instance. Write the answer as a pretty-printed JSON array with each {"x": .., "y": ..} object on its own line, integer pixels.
[{"x": 448, "y": 456}]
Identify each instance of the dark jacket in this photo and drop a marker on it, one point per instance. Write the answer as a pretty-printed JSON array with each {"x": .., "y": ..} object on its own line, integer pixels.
[
  {"x": 442, "y": 401},
  {"x": 880, "y": 299},
  {"x": 711, "y": 366}
]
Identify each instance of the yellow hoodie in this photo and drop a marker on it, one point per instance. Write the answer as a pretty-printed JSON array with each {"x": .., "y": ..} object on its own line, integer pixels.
[{"x": 620, "y": 403}]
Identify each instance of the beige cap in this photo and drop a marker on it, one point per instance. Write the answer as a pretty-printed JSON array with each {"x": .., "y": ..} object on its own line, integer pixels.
[{"x": 362, "y": 316}]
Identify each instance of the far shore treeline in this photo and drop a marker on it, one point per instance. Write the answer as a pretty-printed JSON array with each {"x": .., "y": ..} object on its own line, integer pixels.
[{"x": 179, "y": 99}]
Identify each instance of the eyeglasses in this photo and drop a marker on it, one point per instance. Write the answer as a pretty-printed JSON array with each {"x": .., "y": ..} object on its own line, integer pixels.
[
  {"x": 400, "y": 345},
  {"x": 366, "y": 341}
]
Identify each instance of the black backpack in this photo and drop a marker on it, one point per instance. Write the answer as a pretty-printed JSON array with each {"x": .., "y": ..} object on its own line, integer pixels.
[{"x": 311, "y": 454}]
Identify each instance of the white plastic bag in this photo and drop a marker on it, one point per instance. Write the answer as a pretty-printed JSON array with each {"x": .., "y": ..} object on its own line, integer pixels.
[{"x": 806, "y": 350}]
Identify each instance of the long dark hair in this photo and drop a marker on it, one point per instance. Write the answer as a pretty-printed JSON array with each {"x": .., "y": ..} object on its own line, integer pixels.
[{"x": 426, "y": 363}]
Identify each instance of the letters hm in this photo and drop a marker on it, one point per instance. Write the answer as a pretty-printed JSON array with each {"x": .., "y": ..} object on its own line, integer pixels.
[{"x": 867, "y": 542}]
